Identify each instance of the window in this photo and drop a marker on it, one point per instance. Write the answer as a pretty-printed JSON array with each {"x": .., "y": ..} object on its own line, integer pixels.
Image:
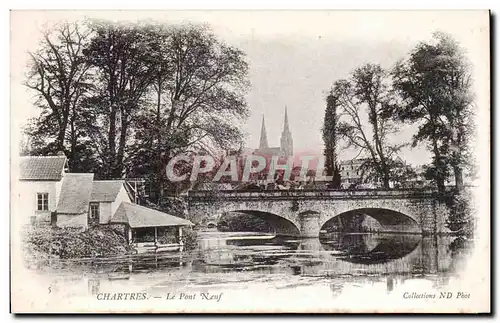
[
  {"x": 94, "y": 211},
  {"x": 347, "y": 173},
  {"x": 42, "y": 201}
]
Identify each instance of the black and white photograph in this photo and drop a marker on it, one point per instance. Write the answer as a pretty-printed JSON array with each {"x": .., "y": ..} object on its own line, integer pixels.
[{"x": 250, "y": 161}]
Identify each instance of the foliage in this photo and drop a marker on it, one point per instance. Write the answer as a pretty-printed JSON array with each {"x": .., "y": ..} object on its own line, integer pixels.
[
  {"x": 120, "y": 58},
  {"x": 199, "y": 97},
  {"x": 461, "y": 220},
  {"x": 366, "y": 95},
  {"x": 329, "y": 132},
  {"x": 239, "y": 222},
  {"x": 58, "y": 74},
  {"x": 190, "y": 238},
  {"x": 68, "y": 243},
  {"x": 434, "y": 84},
  {"x": 123, "y": 99},
  {"x": 401, "y": 173},
  {"x": 170, "y": 205}
]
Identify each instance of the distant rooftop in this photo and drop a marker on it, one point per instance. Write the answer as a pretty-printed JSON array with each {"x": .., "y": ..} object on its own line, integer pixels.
[
  {"x": 41, "y": 168},
  {"x": 354, "y": 161},
  {"x": 267, "y": 151}
]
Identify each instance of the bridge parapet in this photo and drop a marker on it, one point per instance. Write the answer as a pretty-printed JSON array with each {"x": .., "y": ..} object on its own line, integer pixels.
[{"x": 331, "y": 194}]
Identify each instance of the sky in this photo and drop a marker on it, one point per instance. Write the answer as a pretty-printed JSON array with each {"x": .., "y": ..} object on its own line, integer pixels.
[{"x": 294, "y": 57}]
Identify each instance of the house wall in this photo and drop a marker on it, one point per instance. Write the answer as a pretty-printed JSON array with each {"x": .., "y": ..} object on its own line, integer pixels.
[
  {"x": 72, "y": 220},
  {"x": 350, "y": 172},
  {"x": 105, "y": 212},
  {"x": 26, "y": 199},
  {"x": 121, "y": 197},
  {"x": 58, "y": 191},
  {"x": 108, "y": 209}
]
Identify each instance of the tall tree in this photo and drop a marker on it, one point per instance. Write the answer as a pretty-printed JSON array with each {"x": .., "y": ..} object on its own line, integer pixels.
[
  {"x": 127, "y": 98},
  {"x": 329, "y": 132},
  {"x": 199, "y": 89},
  {"x": 59, "y": 73},
  {"x": 121, "y": 57},
  {"x": 364, "y": 123},
  {"x": 434, "y": 83}
]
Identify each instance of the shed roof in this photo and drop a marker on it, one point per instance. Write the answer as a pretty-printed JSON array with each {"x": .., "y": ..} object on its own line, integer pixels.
[
  {"x": 137, "y": 216},
  {"x": 106, "y": 191},
  {"x": 75, "y": 193},
  {"x": 41, "y": 168}
]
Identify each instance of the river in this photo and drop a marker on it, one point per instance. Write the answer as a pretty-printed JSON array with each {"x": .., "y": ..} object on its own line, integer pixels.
[{"x": 232, "y": 265}]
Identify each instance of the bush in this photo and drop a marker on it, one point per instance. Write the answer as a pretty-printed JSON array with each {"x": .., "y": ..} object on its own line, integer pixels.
[
  {"x": 170, "y": 205},
  {"x": 100, "y": 241},
  {"x": 460, "y": 220},
  {"x": 240, "y": 222},
  {"x": 190, "y": 238}
]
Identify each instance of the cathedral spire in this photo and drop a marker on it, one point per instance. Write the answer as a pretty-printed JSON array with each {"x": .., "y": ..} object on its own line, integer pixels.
[
  {"x": 285, "y": 126},
  {"x": 263, "y": 135},
  {"x": 286, "y": 137}
]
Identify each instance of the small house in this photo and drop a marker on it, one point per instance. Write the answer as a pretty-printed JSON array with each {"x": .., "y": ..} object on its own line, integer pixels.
[
  {"x": 39, "y": 186},
  {"x": 51, "y": 195}
]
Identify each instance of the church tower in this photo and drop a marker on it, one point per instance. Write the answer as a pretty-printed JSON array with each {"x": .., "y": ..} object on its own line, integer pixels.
[
  {"x": 263, "y": 136},
  {"x": 286, "y": 138}
]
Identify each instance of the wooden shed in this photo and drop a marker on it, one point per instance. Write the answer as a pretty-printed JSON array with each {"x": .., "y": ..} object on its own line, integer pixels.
[{"x": 150, "y": 230}]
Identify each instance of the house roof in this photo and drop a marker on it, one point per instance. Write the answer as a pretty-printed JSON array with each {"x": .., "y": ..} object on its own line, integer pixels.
[
  {"x": 105, "y": 191},
  {"x": 75, "y": 193},
  {"x": 137, "y": 216},
  {"x": 47, "y": 168}
]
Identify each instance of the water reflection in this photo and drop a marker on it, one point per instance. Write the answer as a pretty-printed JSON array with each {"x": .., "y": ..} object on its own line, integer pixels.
[
  {"x": 371, "y": 248},
  {"x": 235, "y": 261},
  {"x": 236, "y": 253}
]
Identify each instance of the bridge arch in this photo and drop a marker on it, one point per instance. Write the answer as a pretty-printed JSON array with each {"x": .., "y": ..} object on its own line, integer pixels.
[
  {"x": 390, "y": 220},
  {"x": 282, "y": 225},
  {"x": 309, "y": 210}
]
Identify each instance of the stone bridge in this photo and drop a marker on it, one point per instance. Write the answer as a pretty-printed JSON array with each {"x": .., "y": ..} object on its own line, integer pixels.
[{"x": 304, "y": 212}]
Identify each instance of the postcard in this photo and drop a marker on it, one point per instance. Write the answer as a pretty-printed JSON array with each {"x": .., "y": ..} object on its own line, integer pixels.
[{"x": 250, "y": 161}]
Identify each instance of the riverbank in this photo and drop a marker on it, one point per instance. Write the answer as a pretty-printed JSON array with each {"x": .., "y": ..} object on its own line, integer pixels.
[
  {"x": 44, "y": 242},
  {"x": 65, "y": 243}
]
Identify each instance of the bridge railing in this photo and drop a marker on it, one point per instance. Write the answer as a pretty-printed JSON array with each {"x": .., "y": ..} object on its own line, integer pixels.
[{"x": 310, "y": 193}]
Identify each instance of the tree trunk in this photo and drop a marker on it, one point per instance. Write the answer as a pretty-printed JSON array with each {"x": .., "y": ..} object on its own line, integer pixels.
[
  {"x": 111, "y": 142},
  {"x": 60, "y": 140},
  {"x": 459, "y": 180},
  {"x": 386, "y": 183},
  {"x": 159, "y": 160},
  {"x": 62, "y": 131},
  {"x": 118, "y": 167},
  {"x": 439, "y": 169},
  {"x": 72, "y": 153}
]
